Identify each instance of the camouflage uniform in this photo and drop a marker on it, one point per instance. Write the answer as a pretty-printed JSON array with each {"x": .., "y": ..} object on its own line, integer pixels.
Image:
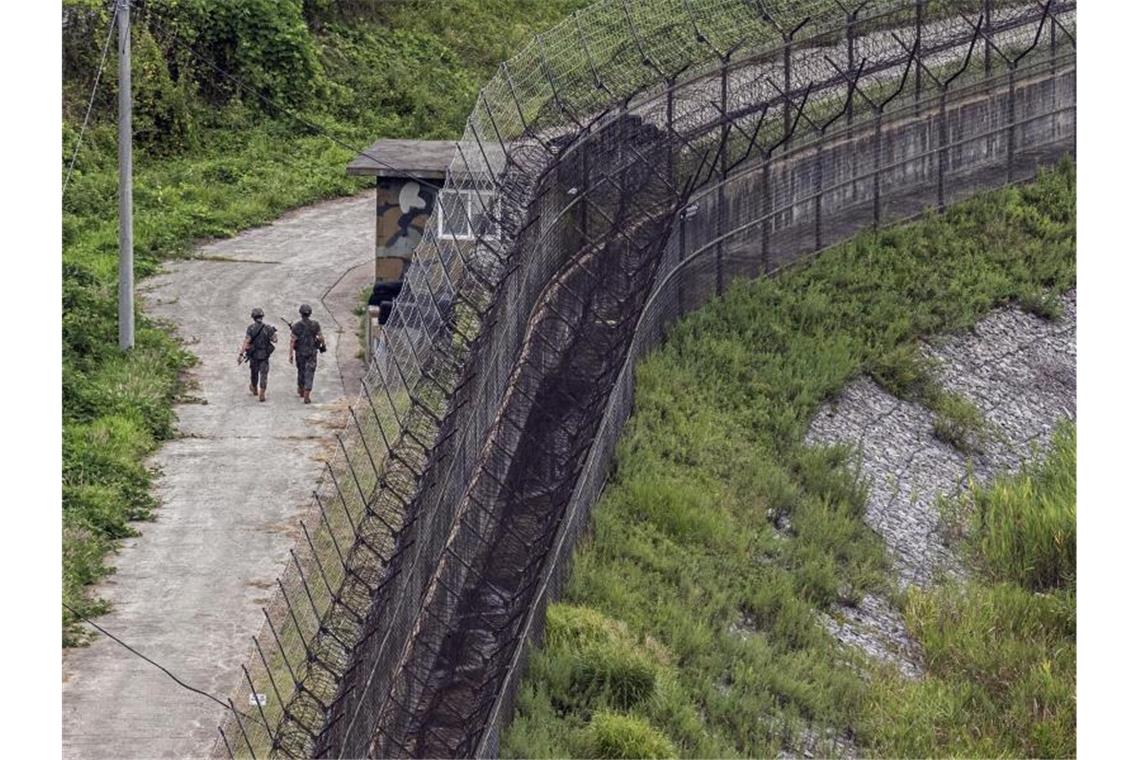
[
  {"x": 260, "y": 336},
  {"x": 307, "y": 334}
]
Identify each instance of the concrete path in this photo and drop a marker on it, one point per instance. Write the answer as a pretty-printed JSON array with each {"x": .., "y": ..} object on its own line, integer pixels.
[{"x": 187, "y": 592}]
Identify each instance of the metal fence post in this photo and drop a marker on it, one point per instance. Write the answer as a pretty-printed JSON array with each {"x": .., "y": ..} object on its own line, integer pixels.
[
  {"x": 1011, "y": 117},
  {"x": 850, "y": 66},
  {"x": 919, "y": 13},
  {"x": 766, "y": 211},
  {"x": 942, "y": 151},
  {"x": 1053, "y": 76},
  {"x": 720, "y": 198},
  {"x": 682, "y": 244},
  {"x": 878, "y": 159},
  {"x": 988, "y": 12},
  {"x": 817, "y": 193},
  {"x": 787, "y": 88}
]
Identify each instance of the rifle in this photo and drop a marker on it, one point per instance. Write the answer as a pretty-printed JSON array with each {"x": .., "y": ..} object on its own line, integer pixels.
[
  {"x": 320, "y": 346},
  {"x": 243, "y": 357}
]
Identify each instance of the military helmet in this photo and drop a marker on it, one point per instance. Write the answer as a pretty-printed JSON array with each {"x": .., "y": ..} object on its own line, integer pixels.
[
  {"x": 257, "y": 313},
  {"x": 306, "y": 310}
]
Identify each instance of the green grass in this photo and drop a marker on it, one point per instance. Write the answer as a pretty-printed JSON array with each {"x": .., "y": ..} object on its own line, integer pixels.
[
  {"x": 1024, "y": 529},
  {"x": 1000, "y": 649},
  {"x": 907, "y": 373},
  {"x": 685, "y": 550},
  {"x": 409, "y": 69}
]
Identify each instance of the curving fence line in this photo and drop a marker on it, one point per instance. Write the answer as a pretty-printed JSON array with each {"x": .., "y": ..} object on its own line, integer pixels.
[{"x": 627, "y": 165}]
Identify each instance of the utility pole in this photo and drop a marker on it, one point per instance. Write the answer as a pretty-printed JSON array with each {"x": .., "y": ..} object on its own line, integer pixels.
[{"x": 126, "y": 195}]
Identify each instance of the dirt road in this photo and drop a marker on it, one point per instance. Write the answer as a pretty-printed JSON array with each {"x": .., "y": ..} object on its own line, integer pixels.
[{"x": 187, "y": 592}]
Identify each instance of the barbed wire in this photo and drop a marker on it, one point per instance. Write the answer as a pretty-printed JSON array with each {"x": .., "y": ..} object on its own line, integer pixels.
[{"x": 626, "y": 165}]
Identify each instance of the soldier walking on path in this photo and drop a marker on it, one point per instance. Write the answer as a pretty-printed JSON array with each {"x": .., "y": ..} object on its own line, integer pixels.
[
  {"x": 258, "y": 345},
  {"x": 306, "y": 342}
]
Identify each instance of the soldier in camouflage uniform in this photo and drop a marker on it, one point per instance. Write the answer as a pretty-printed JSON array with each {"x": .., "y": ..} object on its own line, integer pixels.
[
  {"x": 306, "y": 342},
  {"x": 258, "y": 345}
]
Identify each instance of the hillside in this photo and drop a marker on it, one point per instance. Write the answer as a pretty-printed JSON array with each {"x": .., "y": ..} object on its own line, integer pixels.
[
  {"x": 696, "y": 618},
  {"x": 228, "y": 136}
]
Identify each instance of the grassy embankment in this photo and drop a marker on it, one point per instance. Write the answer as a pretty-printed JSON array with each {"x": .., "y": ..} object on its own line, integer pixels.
[
  {"x": 689, "y": 623},
  {"x": 212, "y": 159},
  {"x": 1000, "y": 649}
]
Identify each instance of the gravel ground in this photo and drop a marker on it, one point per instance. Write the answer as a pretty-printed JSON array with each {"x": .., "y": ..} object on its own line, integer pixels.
[{"x": 1020, "y": 371}]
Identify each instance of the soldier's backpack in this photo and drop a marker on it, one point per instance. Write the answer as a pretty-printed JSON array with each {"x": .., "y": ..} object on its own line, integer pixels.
[
  {"x": 261, "y": 344},
  {"x": 306, "y": 334}
]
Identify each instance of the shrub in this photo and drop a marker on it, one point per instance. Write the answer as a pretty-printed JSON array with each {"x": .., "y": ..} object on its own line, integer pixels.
[
  {"x": 906, "y": 372},
  {"x": 1001, "y": 654},
  {"x": 959, "y": 422},
  {"x": 620, "y": 736},
  {"x": 1001, "y": 675}
]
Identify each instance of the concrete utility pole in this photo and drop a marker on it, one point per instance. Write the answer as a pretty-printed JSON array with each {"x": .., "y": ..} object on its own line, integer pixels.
[{"x": 126, "y": 195}]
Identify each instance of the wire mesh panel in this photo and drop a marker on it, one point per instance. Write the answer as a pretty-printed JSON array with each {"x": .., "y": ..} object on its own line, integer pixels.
[{"x": 618, "y": 172}]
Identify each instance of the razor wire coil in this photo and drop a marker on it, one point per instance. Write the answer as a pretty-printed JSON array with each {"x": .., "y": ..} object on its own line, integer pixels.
[{"x": 626, "y": 165}]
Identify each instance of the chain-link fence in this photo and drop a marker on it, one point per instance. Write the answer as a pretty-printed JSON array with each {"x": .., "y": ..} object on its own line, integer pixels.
[{"x": 629, "y": 164}]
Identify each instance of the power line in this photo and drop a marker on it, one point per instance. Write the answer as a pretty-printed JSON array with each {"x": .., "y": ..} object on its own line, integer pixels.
[
  {"x": 137, "y": 653},
  {"x": 173, "y": 37},
  {"x": 91, "y": 100}
]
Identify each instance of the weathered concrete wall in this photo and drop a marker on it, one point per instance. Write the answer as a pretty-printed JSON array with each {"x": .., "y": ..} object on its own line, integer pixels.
[{"x": 835, "y": 178}]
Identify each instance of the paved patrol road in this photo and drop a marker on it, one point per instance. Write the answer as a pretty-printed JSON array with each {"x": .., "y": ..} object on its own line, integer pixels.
[{"x": 187, "y": 592}]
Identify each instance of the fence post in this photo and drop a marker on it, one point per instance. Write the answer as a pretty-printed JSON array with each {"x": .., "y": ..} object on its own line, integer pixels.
[
  {"x": 878, "y": 151},
  {"x": 817, "y": 193},
  {"x": 787, "y": 88},
  {"x": 766, "y": 210},
  {"x": 682, "y": 243},
  {"x": 919, "y": 8},
  {"x": 670, "y": 83},
  {"x": 720, "y": 199},
  {"x": 989, "y": 22},
  {"x": 1053, "y": 76},
  {"x": 942, "y": 151},
  {"x": 1011, "y": 116},
  {"x": 850, "y": 66}
]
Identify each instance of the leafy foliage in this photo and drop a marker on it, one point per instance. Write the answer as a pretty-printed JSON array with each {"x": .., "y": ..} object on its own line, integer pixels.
[{"x": 212, "y": 158}]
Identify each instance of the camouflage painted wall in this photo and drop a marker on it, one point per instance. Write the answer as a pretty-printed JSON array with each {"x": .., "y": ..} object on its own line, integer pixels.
[{"x": 403, "y": 207}]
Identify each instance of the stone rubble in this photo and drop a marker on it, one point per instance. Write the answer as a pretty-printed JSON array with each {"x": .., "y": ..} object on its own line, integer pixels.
[{"x": 1020, "y": 371}]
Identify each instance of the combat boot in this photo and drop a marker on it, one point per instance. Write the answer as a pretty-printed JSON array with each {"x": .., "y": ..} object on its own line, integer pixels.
[
  {"x": 253, "y": 389},
  {"x": 307, "y": 400},
  {"x": 261, "y": 396},
  {"x": 300, "y": 391}
]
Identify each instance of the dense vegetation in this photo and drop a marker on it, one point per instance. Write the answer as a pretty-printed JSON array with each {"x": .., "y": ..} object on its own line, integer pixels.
[
  {"x": 212, "y": 157},
  {"x": 689, "y": 625}
]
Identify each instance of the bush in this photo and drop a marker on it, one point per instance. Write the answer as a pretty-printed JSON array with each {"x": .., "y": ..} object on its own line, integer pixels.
[
  {"x": 905, "y": 372},
  {"x": 600, "y": 662},
  {"x": 1001, "y": 677},
  {"x": 621, "y": 736}
]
